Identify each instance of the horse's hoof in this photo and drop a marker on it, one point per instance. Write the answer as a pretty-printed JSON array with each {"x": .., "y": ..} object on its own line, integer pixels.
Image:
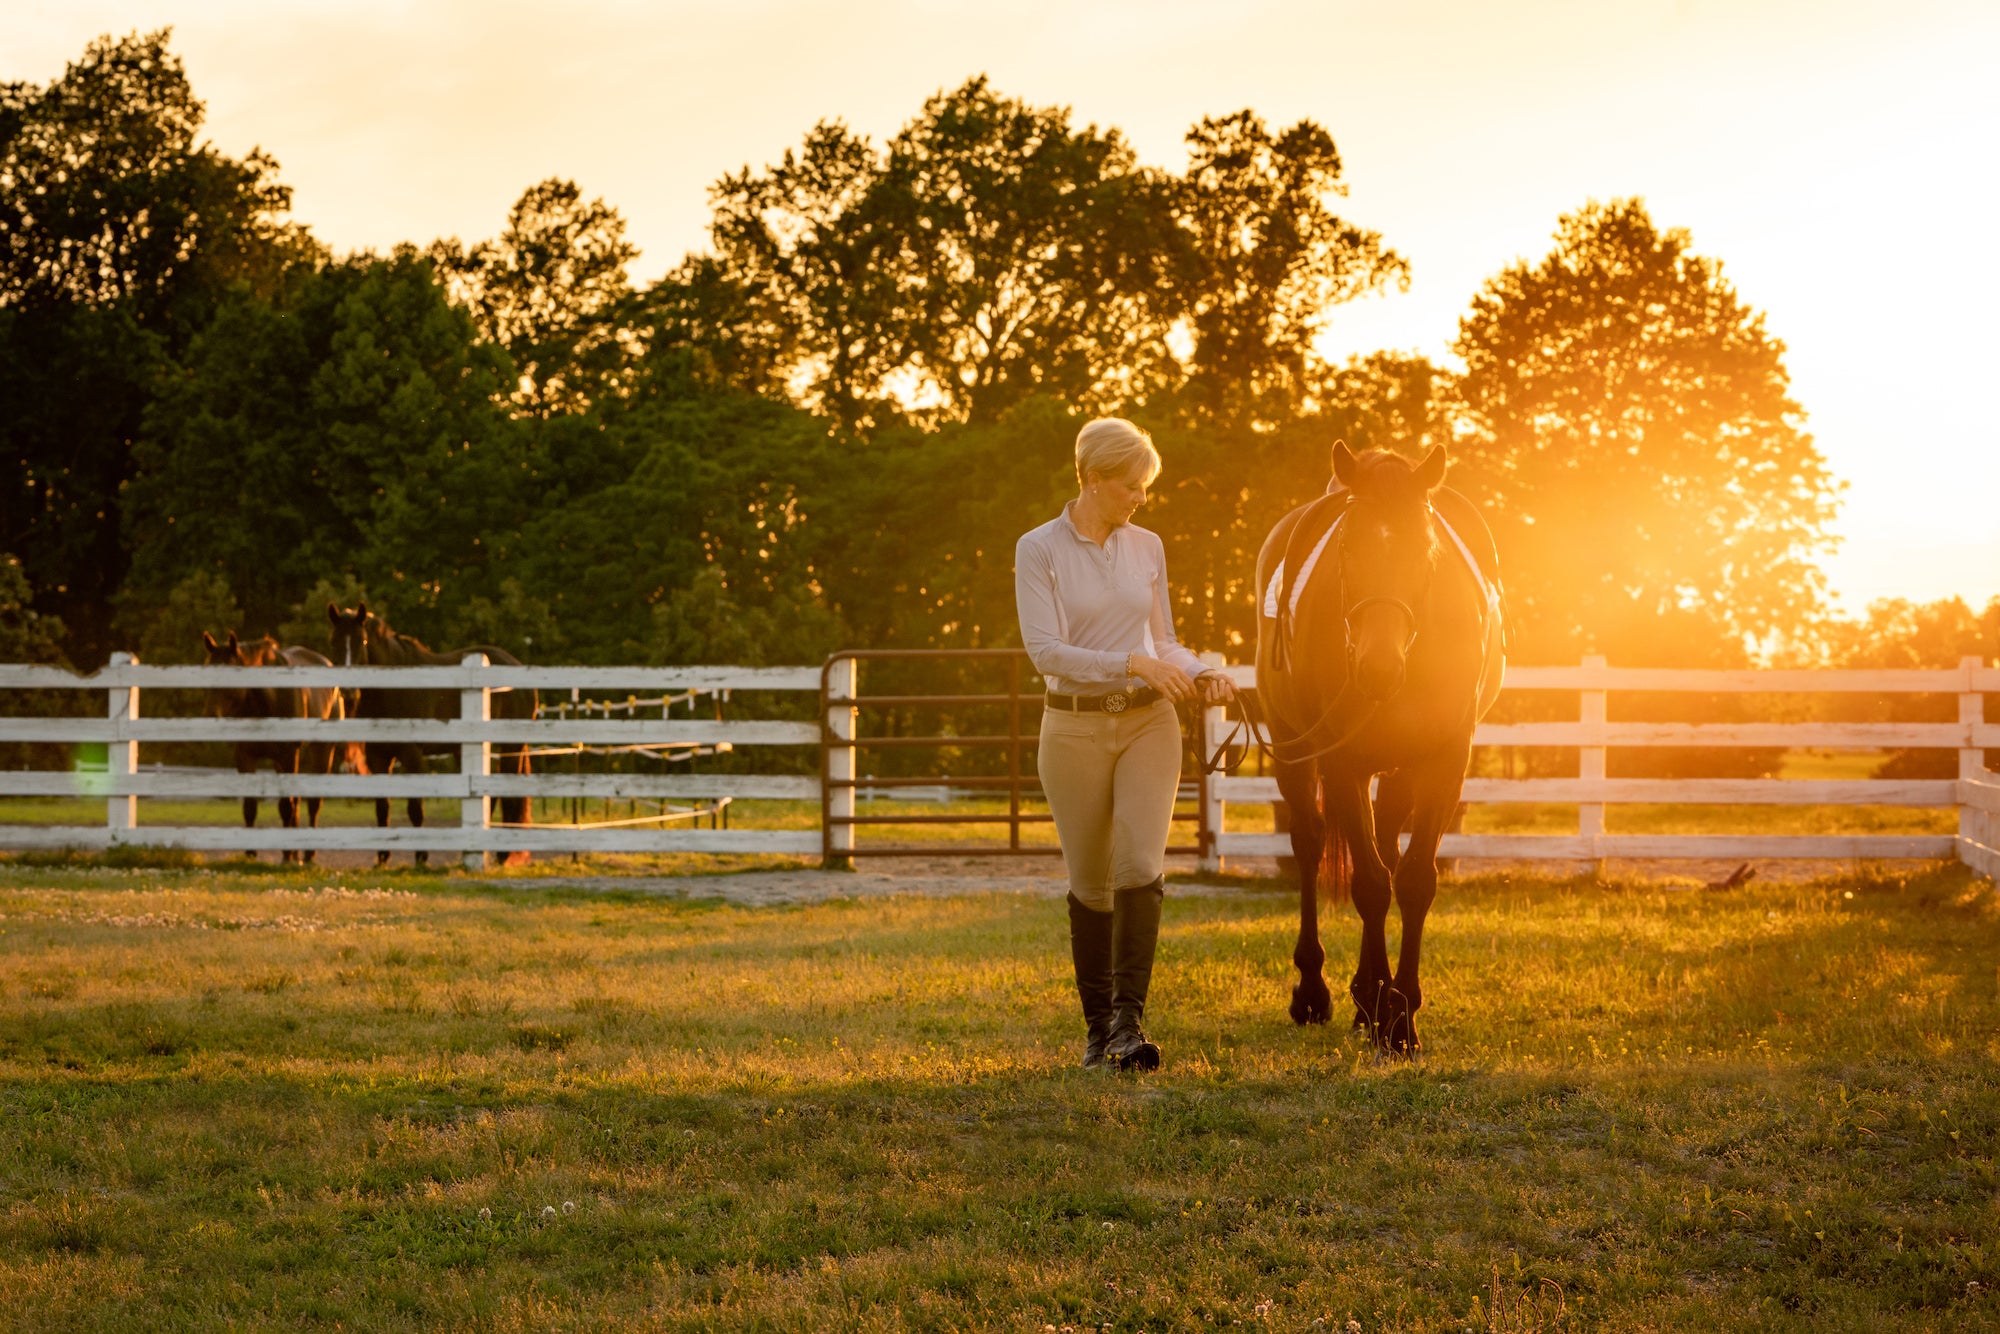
[
  {"x": 1311, "y": 1004},
  {"x": 516, "y": 858},
  {"x": 381, "y": 859},
  {"x": 423, "y": 859},
  {"x": 1398, "y": 1034}
]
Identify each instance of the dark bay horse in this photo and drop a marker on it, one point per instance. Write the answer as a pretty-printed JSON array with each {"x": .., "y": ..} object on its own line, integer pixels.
[
  {"x": 286, "y": 757},
  {"x": 1381, "y": 662},
  {"x": 363, "y": 639}
]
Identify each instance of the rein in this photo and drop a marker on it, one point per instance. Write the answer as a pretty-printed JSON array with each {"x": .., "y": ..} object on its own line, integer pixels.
[{"x": 1256, "y": 727}]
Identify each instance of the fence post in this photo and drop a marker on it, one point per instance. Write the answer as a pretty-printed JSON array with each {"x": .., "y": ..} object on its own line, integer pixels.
[
  {"x": 1590, "y": 766},
  {"x": 1973, "y": 823},
  {"x": 475, "y": 762},
  {"x": 121, "y": 758},
  {"x": 843, "y": 677},
  {"x": 1212, "y": 718}
]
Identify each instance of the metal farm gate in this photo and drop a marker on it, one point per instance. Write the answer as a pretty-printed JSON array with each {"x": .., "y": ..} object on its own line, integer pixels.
[{"x": 844, "y": 711}]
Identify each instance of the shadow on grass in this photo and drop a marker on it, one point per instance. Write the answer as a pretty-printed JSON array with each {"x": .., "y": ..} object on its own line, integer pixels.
[{"x": 556, "y": 1108}]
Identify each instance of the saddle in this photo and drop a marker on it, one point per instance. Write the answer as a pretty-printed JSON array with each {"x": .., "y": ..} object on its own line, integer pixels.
[{"x": 1464, "y": 529}]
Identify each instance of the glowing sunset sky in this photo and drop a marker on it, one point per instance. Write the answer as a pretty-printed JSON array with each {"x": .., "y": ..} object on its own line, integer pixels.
[{"x": 1837, "y": 156}]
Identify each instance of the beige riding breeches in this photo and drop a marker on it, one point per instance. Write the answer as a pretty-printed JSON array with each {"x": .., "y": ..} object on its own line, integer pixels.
[{"x": 1111, "y": 779}]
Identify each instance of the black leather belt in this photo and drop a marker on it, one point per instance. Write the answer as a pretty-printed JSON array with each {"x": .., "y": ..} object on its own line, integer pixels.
[{"x": 1118, "y": 701}]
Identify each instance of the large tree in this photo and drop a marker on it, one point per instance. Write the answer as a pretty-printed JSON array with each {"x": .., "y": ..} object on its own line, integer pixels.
[
  {"x": 551, "y": 290},
  {"x": 1267, "y": 261},
  {"x": 992, "y": 250},
  {"x": 352, "y": 425},
  {"x": 120, "y": 231},
  {"x": 1627, "y": 422}
]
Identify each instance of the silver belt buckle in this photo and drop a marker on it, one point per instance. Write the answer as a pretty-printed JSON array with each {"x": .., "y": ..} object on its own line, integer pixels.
[{"x": 1117, "y": 702}]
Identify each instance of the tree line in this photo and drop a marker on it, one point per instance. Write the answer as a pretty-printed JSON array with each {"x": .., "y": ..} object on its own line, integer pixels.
[{"x": 827, "y": 428}]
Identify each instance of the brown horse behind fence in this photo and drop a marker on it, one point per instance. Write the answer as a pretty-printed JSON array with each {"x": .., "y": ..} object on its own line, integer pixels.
[
  {"x": 286, "y": 757},
  {"x": 363, "y": 639}
]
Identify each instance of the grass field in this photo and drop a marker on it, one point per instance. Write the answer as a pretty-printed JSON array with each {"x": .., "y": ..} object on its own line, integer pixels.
[{"x": 395, "y": 1101}]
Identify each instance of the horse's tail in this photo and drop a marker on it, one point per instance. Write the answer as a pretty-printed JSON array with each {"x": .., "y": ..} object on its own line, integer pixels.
[{"x": 1336, "y": 860}]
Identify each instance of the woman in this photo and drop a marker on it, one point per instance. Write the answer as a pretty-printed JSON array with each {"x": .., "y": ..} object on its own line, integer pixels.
[{"x": 1091, "y": 589}]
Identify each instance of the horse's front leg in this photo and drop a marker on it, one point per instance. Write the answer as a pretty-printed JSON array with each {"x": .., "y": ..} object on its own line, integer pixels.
[
  {"x": 1395, "y": 797},
  {"x": 246, "y": 763},
  {"x": 380, "y": 760},
  {"x": 317, "y": 759},
  {"x": 288, "y": 806},
  {"x": 1298, "y": 784},
  {"x": 1347, "y": 805},
  {"x": 1416, "y": 889},
  {"x": 413, "y": 763}
]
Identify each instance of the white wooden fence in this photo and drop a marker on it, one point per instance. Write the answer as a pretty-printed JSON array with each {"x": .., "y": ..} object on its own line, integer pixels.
[
  {"x": 125, "y": 729},
  {"x": 1975, "y": 792}
]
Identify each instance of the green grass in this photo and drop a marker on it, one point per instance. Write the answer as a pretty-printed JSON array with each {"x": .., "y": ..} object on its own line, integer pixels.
[{"x": 298, "y": 1100}]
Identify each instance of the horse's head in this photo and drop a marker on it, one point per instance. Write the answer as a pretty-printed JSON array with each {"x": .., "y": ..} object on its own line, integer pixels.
[
  {"x": 1388, "y": 551},
  {"x": 221, "y": 652},
  {"x": 224, "y": 653},
  {"x": 350, "y": 634}
]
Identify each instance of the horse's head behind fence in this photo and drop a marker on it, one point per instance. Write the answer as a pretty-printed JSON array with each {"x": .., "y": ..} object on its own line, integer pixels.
[
  {"x": 350, "y": 634},
  {"x": 1388, "y": 554},
  {"x": 232, "y": 652}
]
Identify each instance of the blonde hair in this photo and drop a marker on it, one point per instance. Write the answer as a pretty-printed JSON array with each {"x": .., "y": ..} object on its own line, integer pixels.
[{"x": 1114, "y": 447}]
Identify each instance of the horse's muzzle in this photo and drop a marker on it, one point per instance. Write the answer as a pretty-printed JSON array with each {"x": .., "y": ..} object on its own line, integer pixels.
[{"x": 1378, "y": 676}]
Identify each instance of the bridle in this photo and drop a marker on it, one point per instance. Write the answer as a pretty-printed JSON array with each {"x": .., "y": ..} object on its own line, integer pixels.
[
  {"x": 353, "y": 643},
  {"x": 1410, "y": 617}
]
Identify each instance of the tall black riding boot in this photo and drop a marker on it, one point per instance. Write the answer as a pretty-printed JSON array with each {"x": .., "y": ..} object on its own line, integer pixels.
[
  {"x": 1090, "y": 951},
  {"x": 1135, "y": 933}
]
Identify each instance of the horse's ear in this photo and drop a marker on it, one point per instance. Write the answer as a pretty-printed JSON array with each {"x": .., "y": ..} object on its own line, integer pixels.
[
  {"x": 333, "y": 612},
  {"x": 1431, "y": 471},
  {"x": 1344, "y": 463},
  {"x": 361, "y": 610},
  {"x": 233, "y": 644},
  {"x": 208, "y": 641}
]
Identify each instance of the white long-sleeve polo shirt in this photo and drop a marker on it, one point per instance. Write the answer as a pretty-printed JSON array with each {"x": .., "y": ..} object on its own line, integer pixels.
[{"x": 1083, "y": 607}]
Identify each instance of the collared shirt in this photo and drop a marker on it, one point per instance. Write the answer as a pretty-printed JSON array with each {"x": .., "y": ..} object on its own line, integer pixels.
[{"x": 1083, "y": 607}]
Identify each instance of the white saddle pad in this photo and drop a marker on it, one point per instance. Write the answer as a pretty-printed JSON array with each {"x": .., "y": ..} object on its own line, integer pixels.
[
  {"x": 1305, "y": 573},
  {"x": 1487, "y": 591}
]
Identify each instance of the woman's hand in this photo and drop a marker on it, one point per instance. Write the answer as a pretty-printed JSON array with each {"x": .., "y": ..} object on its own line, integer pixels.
[
  {"x": 1164, "y": 677},
  {"x": 1218, "y": 687}
]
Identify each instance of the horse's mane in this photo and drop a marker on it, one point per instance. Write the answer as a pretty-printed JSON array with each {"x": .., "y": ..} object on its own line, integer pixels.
[
  {"x": 1388, "y": 478},
  {"x": 404, "y": 649},
  {"x": 408, "y": 650},
  {"x": 258, "y": 652}
]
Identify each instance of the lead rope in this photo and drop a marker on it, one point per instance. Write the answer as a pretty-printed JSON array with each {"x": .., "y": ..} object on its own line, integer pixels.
[{"x": 1253, "y": 726}]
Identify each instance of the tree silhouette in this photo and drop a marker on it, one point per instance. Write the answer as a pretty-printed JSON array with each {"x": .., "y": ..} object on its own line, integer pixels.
[
  {"x": 550, "y": 290},
  {"x": 120, "y": 231},
  {"x": 1628, "y": 424}
]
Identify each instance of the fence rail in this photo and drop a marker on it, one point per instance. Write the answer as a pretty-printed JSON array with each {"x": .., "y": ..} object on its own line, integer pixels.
[
  {"x": 472, "y": 734},
  {"x": 1974, "y": 793},
  {"x": 123, "y": 729}
]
